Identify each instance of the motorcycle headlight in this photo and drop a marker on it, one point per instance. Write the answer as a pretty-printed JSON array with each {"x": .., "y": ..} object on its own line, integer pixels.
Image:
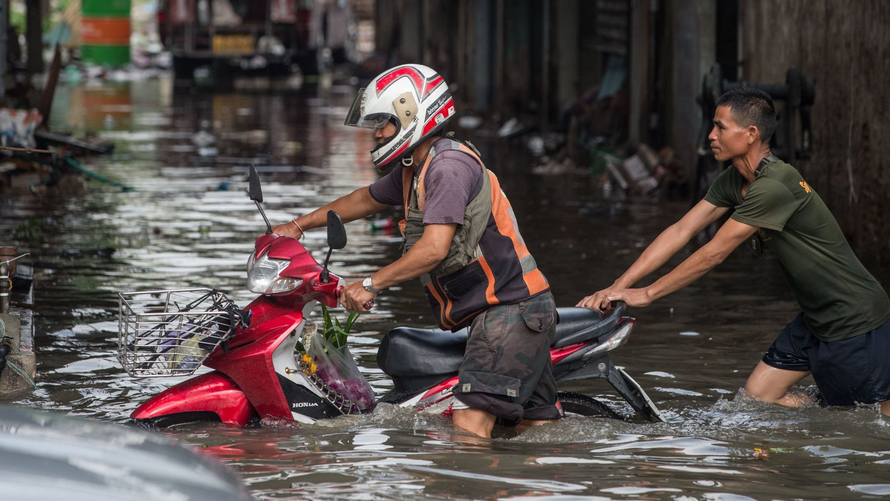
[{"x": 263, "y": 276}]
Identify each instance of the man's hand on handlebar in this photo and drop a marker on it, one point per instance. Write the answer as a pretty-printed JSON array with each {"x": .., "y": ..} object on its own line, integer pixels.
[
  {"x": 602, "y": 300},
  {"x": 354, "y": 297},
  {"x": 287, "y": 230}
]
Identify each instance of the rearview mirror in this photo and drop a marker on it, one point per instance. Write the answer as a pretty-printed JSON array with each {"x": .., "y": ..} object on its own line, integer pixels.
[
  {"x": 336, "y": 240},
  {"x": 336, "y": 231},
  {"x": 254, "y": 191},
  {"x": 256, "y": 194}
]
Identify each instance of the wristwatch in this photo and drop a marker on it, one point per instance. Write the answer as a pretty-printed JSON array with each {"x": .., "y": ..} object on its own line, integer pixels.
[{"x": 369, "y": 286}]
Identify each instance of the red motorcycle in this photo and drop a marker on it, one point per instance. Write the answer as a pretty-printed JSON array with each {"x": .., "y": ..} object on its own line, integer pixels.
[{"x": 259, "y": 370}]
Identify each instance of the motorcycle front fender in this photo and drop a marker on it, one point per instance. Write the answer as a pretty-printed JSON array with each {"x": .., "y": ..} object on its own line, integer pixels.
[{"x": 209, "y": 393}]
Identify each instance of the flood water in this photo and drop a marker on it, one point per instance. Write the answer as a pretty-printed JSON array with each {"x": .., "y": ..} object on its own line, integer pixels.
[{"x": 189, "y": 224}]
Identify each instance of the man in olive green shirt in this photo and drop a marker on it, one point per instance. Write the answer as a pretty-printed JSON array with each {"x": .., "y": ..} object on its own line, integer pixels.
[{"x": 842, "y": 336}]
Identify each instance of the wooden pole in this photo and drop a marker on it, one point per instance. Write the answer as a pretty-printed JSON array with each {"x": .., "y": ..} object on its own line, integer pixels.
[
  {"x": 28, "y": 150},
  {"x": 49, "y": 91}
]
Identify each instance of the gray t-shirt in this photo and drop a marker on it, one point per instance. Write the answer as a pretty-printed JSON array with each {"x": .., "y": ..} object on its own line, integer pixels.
[{"x": 453, "y": 179}]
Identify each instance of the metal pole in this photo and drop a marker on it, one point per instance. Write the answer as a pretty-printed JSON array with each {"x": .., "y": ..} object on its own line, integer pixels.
[
  {"x": 6, "y": 269},
  {"x": 34, "y": 36},
  {"x": 4, "y": 287},
  {"x": 268, "y": 26},
  {"x": 544, "y": 114}
]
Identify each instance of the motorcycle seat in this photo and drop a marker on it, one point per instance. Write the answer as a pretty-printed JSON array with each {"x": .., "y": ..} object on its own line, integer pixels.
[
  {"x": 577, "y": 325},
  {"x": 408, "y": 351}
]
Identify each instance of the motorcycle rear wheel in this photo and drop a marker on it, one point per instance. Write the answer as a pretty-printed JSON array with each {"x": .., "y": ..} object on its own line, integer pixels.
[{"x": 582, "y": 405}]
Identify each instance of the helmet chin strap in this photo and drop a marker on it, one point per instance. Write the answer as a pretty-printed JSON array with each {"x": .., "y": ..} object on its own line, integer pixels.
[{"x": 408, "y": 161}]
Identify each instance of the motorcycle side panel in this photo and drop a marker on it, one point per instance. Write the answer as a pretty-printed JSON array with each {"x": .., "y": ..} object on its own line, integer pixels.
[
  {"x": 306, "y": 405},
  {"x": 250, "y": 365},
  {"x": 557, "y": 355},
  {"x": 212, "y": 392},
  {"x": 436, "y": 400},
  {"x": 266, "y": 314}
]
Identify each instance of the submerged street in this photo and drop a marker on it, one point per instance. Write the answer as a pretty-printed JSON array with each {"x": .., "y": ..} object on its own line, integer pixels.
[{"x": 188, "y": 223}]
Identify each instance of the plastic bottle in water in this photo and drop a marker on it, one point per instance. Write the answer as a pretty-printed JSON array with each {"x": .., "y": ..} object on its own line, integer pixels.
[
  {"x": 189, "y": 363},
  {"x": 189, "y": 354}
]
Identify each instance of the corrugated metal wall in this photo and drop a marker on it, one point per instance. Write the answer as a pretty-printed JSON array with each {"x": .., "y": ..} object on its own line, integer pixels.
[
  {"x": 845, "y": 46},
  {"x": 510, "y": 56}
]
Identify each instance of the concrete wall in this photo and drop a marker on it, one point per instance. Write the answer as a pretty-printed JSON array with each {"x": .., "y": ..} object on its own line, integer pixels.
[{"x": 845, "y": 46}]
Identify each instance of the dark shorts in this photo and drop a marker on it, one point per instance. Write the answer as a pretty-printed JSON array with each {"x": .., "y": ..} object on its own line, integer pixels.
[
  {"x": 847, "y": 372},
  {"x": 506, "y": 369}
]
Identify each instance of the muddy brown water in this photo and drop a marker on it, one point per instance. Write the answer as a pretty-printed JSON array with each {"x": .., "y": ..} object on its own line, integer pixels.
[{"x": 189, "y": 223}]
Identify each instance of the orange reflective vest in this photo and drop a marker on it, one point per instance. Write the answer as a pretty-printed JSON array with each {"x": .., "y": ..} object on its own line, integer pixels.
[{"x": 488, "y": 262}]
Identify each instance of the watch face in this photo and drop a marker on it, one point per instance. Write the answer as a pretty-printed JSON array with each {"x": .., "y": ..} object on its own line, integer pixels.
[{"x": 366, "y": 283}]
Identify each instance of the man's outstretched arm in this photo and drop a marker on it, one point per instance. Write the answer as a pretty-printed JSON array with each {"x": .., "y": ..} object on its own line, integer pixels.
[
  {"x": 730, "y": 236},
  {"x": 356, "y": 205},
  {"x": 661, "y": 249}
]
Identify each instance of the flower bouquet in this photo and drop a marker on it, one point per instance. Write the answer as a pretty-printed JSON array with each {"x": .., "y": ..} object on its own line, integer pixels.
[{"x": 325, "y": 354}]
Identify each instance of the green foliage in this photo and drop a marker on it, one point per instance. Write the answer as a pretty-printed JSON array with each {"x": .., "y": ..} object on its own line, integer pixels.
[
  {"x": 56, "y": 10},
  {"x": 335, "y": 332},
  {"x": 18, "y": 16},
  {"x": 28, "y": 231}
]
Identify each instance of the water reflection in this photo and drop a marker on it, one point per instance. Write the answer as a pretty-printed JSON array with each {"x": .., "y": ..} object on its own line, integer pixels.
[{"x": 190, "y": 224}]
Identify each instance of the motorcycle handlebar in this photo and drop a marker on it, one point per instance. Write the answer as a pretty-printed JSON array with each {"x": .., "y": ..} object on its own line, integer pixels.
[
  {"x": 368, "y": 305},
  {"x": 618, "y": 308}
]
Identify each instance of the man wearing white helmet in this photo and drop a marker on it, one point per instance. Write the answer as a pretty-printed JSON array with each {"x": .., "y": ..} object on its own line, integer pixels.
[{"x": 461, "y": 239}]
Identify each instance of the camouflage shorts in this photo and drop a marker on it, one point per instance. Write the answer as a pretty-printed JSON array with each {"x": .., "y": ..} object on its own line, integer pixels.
[{"x": 506, "y": 369}]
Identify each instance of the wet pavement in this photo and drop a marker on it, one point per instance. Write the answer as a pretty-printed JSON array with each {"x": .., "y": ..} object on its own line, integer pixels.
[{"x": 189, "y": 223}]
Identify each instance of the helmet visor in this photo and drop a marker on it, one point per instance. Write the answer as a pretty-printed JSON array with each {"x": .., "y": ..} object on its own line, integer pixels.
[{"x": 357, "y": 118}]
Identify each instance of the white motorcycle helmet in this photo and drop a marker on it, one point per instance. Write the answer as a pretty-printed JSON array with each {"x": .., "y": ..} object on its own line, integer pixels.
[{"x": 411, "y": 96}]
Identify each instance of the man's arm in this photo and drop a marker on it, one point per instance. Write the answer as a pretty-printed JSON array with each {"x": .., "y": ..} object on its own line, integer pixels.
[
  {"x": 422, "y": 257},
  {"x": 356, "y": 205},
  {"x": 671, "y": 240},
  {"x": 730, "y": 236}
]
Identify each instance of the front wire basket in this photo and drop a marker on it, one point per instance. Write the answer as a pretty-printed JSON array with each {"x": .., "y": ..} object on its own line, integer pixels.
[{"x": 171, "y": 332}]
